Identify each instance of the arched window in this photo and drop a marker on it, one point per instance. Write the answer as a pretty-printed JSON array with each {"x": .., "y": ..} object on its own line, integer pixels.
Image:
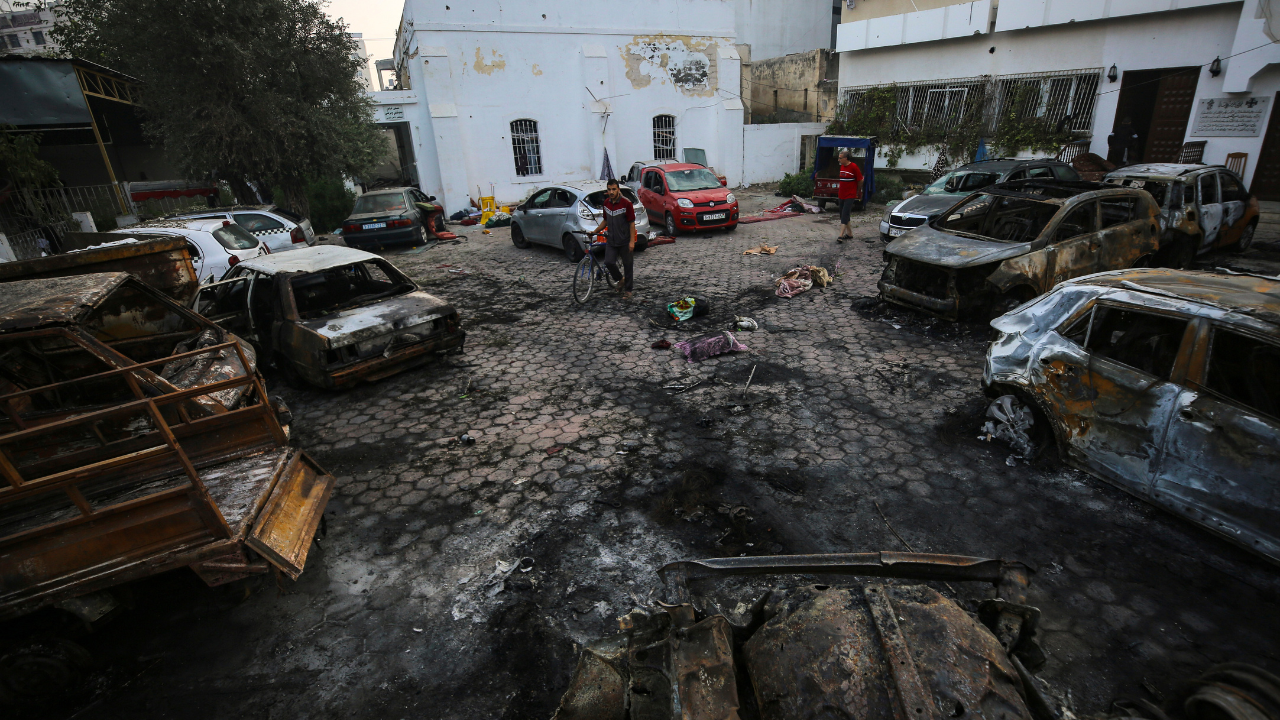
[
  {"x": 664, "y": 137},
  {"x": 524, "y": 143}
]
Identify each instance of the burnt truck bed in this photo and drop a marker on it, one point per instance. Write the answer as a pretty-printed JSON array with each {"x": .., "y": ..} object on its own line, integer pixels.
[
  {"x": 163, "y": 262},
  {"x": 117, "y": 466}
]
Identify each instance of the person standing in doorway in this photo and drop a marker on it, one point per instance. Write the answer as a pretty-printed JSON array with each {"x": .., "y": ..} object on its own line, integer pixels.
[
  {"x": 620, "y": 241},
  {"x": 849, "y": 192}
]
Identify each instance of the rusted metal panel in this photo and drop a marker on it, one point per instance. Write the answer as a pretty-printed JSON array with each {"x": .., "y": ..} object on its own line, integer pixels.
[
  {"x": 163, "y": 263},
  {"x": 288, "y": 521}
]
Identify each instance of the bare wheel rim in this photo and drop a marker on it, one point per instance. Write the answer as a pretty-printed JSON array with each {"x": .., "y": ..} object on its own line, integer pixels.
[
  {"x": 583, "y": 280},
  {"x": 1246, "y": 239}
]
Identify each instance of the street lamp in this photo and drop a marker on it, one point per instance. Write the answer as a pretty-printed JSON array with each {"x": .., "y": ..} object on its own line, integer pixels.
[
  {"x": 1113, "y": 74},
  {"x": 1215, "y": 67}
]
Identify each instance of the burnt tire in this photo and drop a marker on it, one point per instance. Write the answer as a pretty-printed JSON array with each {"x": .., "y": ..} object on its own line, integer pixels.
[
  {"x": 641, "y": 245},
  {"x": 731, "y": 228},
  {"x": 1008, "y": 301},
  {"x": 43, "y": 673},
  {"x": 287, "y": 372},
  {"x": 1177, "y": 254},
  {"x": 670, "y": 223},
  {"x": 517, "y": 237},
  {"x": 1246, "y": 238},
  {"x": 572, "y": 251}
]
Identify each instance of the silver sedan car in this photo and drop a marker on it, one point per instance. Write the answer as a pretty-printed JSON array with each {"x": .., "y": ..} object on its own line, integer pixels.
[{"x": 552, "y": 215}]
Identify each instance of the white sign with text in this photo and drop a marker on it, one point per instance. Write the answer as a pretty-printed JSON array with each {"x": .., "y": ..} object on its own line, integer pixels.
[{"x": 1230, "y": 117}]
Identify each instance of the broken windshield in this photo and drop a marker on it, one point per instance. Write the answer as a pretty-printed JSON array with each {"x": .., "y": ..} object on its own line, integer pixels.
[
  {"x": 961, "y": 182},
  {"x": 1000, "y": 218},
  {"x": 380, "y": 203},
  {"x": 333, "y": 289},
  {"x": 695, "y": 179}
]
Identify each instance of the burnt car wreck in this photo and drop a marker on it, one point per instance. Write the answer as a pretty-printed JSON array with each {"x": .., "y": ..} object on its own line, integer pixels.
[
  {"x": 1165, "y": 383},
  {"x": 873, "y": 651},
  {"x": 1009, "y": 243},
  {"x": 332, "y": 316},
  {"x": 137, "y": 437}
]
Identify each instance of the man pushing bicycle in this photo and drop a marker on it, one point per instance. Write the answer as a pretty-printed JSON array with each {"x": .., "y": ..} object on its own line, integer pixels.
[{"x": 620, "y": 243}]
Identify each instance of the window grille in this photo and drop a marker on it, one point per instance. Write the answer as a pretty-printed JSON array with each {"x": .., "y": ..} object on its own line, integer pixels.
[
  {"x": 524, "y": 142},
  {"x": 1067, "y": 97},
  {"x": 664, "y": 137}
]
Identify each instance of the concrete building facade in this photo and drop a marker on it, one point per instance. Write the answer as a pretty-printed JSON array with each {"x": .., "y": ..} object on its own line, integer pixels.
[
  {"x": 1099, "y": 62},
  {"x": 498, "y": 98},
  {"x": 26, "y": 31}
]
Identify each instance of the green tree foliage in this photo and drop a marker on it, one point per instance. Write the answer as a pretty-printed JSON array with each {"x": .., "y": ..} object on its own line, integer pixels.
[
  {"x": 796, "y": 184},
  {"x": 1005, "y": 114},
  {"x": 244, "y": 90},
  {"x": 20, "y": 162}
]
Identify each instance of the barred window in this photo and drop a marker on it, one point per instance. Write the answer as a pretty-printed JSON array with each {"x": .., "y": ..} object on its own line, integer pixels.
[
  {"x": 524, "y": 142},
  {"x": 664, "y": 137}
]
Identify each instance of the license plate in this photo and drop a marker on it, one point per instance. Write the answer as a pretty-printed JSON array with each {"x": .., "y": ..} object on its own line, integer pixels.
[
  {"x": 713, "y": 216},
  {"x": 895, "y": 232},
  {"x": 374, "y": 226}
]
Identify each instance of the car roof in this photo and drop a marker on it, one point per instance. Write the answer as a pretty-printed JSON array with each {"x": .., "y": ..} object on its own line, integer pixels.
[
  {"x": 1161, "y": 170},
  {"x": 228, "y": 209},
  {"x": 203, "y": 225},
  {"x": 387, "y": 191},
  {"x": 680, "y": 166},
  {"x": 31, "y": 304},
  {"x": 586, "y": 186},
  {"x": 1251, "y": 294},
  {"x": 1006, "y": 164},
  {"x": 311, "y": 259}
]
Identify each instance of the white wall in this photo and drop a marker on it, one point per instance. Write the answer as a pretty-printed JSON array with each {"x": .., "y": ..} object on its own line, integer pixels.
[
  {"x": 485, "y": 63},
  {"x": 773, "y": 150},
  {"x": 951, "y": 21},
  {"x": 1133, "y": 42}
]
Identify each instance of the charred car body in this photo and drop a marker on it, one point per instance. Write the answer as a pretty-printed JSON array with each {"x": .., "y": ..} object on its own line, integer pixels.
[
  {"x": 137, "y": 437},
  {"x": 1165, "y": 383},
  {"x": 1202, "y": 207},
  {"x": 332, "y": 316},
  {"x": 1009, "y": 243}
]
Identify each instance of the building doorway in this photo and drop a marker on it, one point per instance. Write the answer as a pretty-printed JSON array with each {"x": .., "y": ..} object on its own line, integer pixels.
[
  {"x": 397, "y": 167},
  {"x": 1266, "y": 176},
  {"x": 1154, "y": 105}
]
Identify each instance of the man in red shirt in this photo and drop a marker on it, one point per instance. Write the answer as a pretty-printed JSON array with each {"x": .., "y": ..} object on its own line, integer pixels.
[
  {"x": 620, "y": 219},
  {"x": 850, "y": 191}
]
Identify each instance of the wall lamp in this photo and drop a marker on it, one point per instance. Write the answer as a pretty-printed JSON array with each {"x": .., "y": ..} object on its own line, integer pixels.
[
  {"x": 1215, "y": 67},
  {"x": 1113, "y": 74}
]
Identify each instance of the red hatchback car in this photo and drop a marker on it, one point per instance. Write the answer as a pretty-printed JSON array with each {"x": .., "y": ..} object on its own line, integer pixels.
[{"x": 683, "y": 197}]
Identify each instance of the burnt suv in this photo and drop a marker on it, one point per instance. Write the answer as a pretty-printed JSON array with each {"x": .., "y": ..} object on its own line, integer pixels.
[
  {"x": 946, "y": 190},
  {"x": 1009, "y": 243},
  {"x": 332, "y": 316}
]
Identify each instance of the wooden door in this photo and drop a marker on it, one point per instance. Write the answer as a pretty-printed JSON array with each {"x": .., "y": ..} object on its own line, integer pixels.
[
  {"x": 1266, "y": 175},
  {"x": 1174, "y": 99}
]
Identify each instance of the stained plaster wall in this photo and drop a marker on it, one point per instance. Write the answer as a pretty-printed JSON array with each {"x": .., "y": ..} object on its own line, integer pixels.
[
  {"x": 592, "y": 78},
  {"x": 769, "y": 151},
  {"x": 1155, "y": 40},
  {"x": 778, "y": 88}
]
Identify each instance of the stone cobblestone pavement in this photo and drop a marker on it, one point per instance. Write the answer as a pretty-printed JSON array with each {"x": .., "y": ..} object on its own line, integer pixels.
[{"x": 859, "y": 426}]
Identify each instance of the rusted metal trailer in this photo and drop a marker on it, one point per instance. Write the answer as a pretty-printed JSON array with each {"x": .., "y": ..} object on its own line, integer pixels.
[
  {"x": 137, "y": 437},
  {"x": 161, "y": 261}
]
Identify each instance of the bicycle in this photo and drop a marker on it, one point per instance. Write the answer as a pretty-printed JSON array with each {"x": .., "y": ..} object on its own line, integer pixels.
[{"x": 590, "y": 269}]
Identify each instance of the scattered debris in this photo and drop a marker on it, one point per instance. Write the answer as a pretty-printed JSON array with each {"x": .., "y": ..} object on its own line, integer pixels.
[
  {"x": 706, "y": 346},
  {"x": 761, "y": 249},
  {"x": 466, "y": 439},
  {"x": 793, "y": 283},
  {"x": 688, "y": 308},
  {"x": 1010, "y": 421},
  {"x": 661, "y": 345},
  {"x": 744, "y": 323}
]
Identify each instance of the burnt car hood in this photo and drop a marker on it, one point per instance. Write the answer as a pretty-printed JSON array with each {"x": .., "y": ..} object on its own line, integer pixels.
[
  {"x": 927, "y": 245},
  {"x": 366, "y": 322},
  {"x": 929, "y": 205}
]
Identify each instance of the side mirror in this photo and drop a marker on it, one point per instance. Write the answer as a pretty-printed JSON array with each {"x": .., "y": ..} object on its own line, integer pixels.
[
  {"x": 952, "y": 184},
  {"x": 724, "y": 182},
  {"x": 431, "y": 198}
]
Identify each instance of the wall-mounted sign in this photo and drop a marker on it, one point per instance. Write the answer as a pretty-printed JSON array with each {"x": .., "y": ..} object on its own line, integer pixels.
[
  {"x": 1230, "y": 117},
  {"x": 392, "y": 113}
]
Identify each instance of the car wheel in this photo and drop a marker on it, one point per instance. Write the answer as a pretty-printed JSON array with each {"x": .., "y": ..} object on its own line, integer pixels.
[
  {"x": 671, "y": 225},
  {"x": 422, "y": 235},
  {"x": 1008, "y": 301},
  {"x": 288, "y": 373},
  {"x": 1246, "y": 238},
  {"x": 642, "y": 244},
  {"x": 572, "y": 250},
  {"x": 822, "y": 204},
  {"x": 731, "y": 228},
  {"x": 517, "y": 237}
]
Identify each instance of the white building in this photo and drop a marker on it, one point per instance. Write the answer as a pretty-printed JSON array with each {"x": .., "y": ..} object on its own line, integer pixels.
[
  {"x": 497, "y": 98},
  {"x": 25, "y": 31},
  {"x": 1162, "y": 52},
  {"x": 361, "y": 55}
]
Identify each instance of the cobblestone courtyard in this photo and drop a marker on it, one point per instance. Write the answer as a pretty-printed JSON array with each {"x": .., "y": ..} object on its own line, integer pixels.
[{"x": 858, "y": 432}]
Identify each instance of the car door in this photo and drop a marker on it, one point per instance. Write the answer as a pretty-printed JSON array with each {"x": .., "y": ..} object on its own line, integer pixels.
[
  {"x": 557, "y": 211},
  {"x": 533, "y": 216},
  {"x": 1127, "y": 232},
  {"x": 226, "y": 304},
  {"x": 1073, "y": 244},
  {"x": 197, "y": 261},
  {"x": 1111, "y": 386},
  {"x": 1221, "y": 464},
  {"x": 1233, "y": 199},
  {"x": 269, "y": 230},
  {"x": 633, "y": 177},
  {"x": 1210, "y": 214}
]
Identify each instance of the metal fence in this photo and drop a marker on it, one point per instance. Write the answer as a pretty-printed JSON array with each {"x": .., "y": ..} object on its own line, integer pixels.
[
  {"x": 30, "y": 209},
  {"x": 664, "y": 137},
  {"x": 1066, "y": 98},
  {"x": 34, "y": 243}
]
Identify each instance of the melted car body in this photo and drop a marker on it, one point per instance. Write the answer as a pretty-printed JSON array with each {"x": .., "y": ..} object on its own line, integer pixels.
[
  {"x": 1165, "y": 383},
  {"x": 333, "y": 316},
  {"x": 1008, "y": 243}
]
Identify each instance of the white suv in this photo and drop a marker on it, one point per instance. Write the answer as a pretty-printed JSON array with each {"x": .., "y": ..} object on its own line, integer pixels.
[
  {"x": 280, "y": 229},
  {"x": 216, "y": 245}
]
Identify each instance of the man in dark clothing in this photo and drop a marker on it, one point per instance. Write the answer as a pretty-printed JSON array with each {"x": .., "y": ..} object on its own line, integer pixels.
[{"x": 620, "y": 220}]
